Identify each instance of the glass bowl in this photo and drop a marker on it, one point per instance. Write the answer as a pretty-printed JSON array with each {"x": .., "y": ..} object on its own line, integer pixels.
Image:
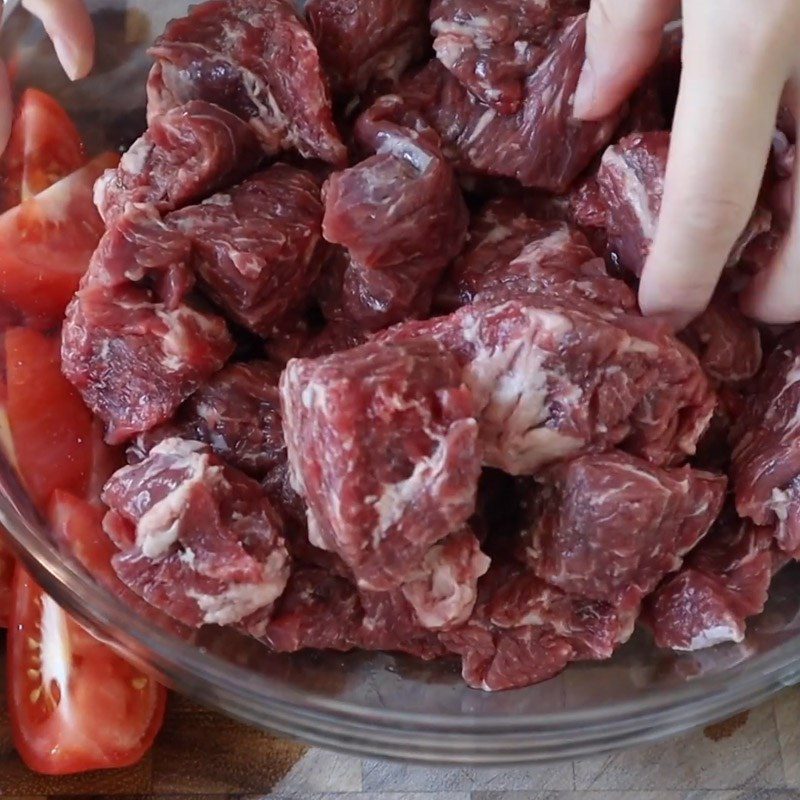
[{"x": 371, "y": 704}]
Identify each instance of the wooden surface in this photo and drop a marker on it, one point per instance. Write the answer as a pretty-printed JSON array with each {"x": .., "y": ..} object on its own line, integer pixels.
[{"x": 753, "y": 756}]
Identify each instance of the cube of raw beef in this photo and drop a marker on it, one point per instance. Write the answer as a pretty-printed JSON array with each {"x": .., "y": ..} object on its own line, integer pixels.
[
  {"x": 492, "y": 46},
  {"x": 551, "y": 382},
  {"x": 256, "y": 247},
  {"x": 402, "y": 219},
  {"x": 256, "y": 59},
  {"x": 317, "y": 610},
  {"x": 185, "y": 155},
  {"x": 610, "y": 526},
  {"x": 727, "y": 343},
  {"x": 542, "y": 145},
  {"x": 369, "y": 41},
  {"x": 766, "y": 460},
  {"x": 131, "y": 344},
  {"x": 383, "y": 448},
  {"x": 510, "y": 255},
  {"x": 523, "y": 632},
  {"x": 198, "y": 539},
  {"x": 237, "y": 413},
  {"x": 443, "y": 588},
  {"x": 723, "y": 582},
  {"x": 631, "y": 181},
  {"x": 390, "y": 623}
]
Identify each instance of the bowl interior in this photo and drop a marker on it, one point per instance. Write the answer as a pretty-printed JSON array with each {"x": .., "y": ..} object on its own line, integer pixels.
[{"x": 367, "y": 703}]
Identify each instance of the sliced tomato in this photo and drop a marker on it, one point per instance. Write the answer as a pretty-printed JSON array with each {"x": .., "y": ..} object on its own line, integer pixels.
[
  {"x": 75, "y": 704},
  {"x": 7, "y": 562},
  {"x": 44, "y": 147},
  {"x": 46, "y": 243},
  {"x": 77, "y": 527},
  {"x": 51, "y": 428}
]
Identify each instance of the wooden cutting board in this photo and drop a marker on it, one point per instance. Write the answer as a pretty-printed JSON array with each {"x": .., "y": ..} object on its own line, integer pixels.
[{"x": 197, "y": 752}]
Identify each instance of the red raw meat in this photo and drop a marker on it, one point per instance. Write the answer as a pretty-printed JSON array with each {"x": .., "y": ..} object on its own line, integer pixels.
[
  {"x": 542, "y": 145},
  {"x": 402, "y": 219},
  {"x": 198, "y": 539},
  {"x": 256, "y": 59},
  {"x": 367, "y": 41},
  {"x": 256, "y": 247},
  {"x": 523, "y": 632},
  {"x": 131, "y": 344},
  {"x": 237, "y": 413},
  {"x": 766, "y": 460},
  {"x": 510, "y": 255},
  {"x": 442, "y": 590},
  {"x": 317, "y": 610},
  {"x": 724, "y": 581},
  {"x": 551, "y": 382},
  {"x": 492, "y": 46},
  {"x": 609, "y": 527},
  {"x": 726, "y": 342},
  {"x": 390, "y": 624},
  {"x": 631, "y": 181},
  {"x": 185, "y": 155},
  {"x": 383, "y": 448}
]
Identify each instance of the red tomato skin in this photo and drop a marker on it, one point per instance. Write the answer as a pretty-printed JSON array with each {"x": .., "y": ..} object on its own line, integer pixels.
[
  {"x": 43, "y": 740},
  {"x": 46, "y": 243},
  {"x": 44, "y": 147},
  {"x": 51, "y": 428},
  {"x": 6, "y": 579}
]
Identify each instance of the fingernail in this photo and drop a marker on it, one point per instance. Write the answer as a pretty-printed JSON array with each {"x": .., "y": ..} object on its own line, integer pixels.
[
  {"x": 76, "y": 62},
  {"x": 584, "y": 91}
]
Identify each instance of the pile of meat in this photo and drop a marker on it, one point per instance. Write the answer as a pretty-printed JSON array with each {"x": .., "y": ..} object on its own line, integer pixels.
[{"x": 364, "y": 318}]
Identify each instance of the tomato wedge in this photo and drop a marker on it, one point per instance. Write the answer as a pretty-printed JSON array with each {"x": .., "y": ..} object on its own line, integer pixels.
[
  {"x": 7, "y": 562},
  {"x": 46, "y": 243},
  {"x": 44, "y": 147},
  {"x": 52, "y": 431},
  {"x": 75, "y": 705},
  {"x": 77, "y": 527}
]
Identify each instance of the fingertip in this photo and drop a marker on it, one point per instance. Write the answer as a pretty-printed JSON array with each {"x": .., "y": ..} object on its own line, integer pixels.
[{"x": 676, "y": 295}]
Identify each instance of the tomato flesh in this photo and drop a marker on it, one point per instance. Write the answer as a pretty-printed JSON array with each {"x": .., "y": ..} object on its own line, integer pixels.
[
  {"x": 44, "y": 147},
  {"x": 75, "y": 705},
  {"x": 46, "y": 243},
  {"x": 51, "y": 429}
]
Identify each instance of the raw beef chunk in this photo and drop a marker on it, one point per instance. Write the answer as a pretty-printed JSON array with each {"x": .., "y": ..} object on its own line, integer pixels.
[
  {"x": 492, "y": 46},
  {"x": 524, "y": 632},
  {"x": 198, "y": 539},
  {"x": 610, "y": 526},
  {"x": 185, "y": 155},
  {"x": 542, "y": 145},
  {"x": 383, "y": 448},
  {"x": 402, "y": 219},
  {"x": 256, "y": 247},
  {"x": 631, "y": 181},
  {"x": 550, "y": 382},
  {"x": 510, "y": 254},
  {"x": 442, "y": 590},
  {"x": 724, "y": 581},
  {"x": 316, "y": 610},
  {"x": 131, "y": 344},
  {"x": 256, "y": 59},
  {"x": 390, "y": 623},
  {"x": 371, "y": 40},
  {"x": 726, "y": 342},
  {"x": 237, "y": 413},
  {"x": 766, "y": 459}
]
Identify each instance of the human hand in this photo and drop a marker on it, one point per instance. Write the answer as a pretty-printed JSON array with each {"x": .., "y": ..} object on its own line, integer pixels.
[
  {"x": 68, "y": 24},
  {"x": 739, "y": 58}
]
